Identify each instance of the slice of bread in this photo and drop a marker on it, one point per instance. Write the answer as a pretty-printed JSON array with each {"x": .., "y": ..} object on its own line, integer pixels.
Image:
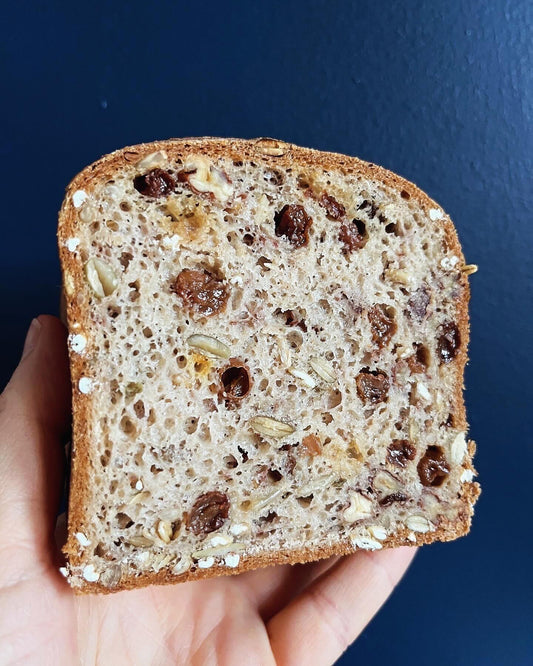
[{"x": 267, "y": 347}]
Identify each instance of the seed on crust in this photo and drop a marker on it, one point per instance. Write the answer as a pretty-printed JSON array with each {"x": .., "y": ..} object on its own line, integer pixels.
[{"x": 270, "y": 147}]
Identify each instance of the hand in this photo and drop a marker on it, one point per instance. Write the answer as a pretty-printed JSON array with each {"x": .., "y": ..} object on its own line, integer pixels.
[{"x": 304, "y": 614}]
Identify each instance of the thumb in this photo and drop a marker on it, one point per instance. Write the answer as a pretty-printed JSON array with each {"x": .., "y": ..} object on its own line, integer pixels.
[{"x": 34, "y": 419}]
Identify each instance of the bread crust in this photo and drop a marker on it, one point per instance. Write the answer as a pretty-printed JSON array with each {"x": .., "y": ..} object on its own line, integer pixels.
[{"x": 282, "y": 155}]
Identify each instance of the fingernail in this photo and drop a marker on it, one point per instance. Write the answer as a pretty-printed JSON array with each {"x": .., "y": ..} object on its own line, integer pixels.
[{"x": 32, "y": 337}]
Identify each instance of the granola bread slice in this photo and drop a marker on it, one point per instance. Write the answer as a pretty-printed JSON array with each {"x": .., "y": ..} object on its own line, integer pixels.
[{"x": 267, "y": 347}]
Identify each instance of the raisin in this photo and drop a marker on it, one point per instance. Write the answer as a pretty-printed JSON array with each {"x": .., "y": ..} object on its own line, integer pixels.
[
  {"x": 433, "y": 468},
  {"x": 400, "y": 451},
  {"x": 200, "y": 291},
  {"x": 235, "y": 380},
  {"x": 208, "y": 513},
  {"x": 353, "y": 235},
  {"x": 155, "y": 183},
  {"x": 419, "y": 361},
  {"x": 372, "y": 386},
  {"x": 448, "y": 343},
  {"x": 183, "y": 176},
  {"x": 394, "y": 497},
  {"x": 418, "y": 303},
  {"x": 382, "y": 324},
  {"x": 293, "y": 223},
  {"x": 334, "y": 209},
  {"x": 311, "y": 445}
]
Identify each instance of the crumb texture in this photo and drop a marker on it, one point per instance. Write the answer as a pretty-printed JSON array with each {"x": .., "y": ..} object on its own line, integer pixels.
[{"x": 267, "y": 356}]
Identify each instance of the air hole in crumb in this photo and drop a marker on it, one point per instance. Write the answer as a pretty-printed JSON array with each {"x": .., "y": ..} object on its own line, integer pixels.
[
  {"x": 334, "y": 399},
  {"x": 246, "y": 505},
  {"x": 230, "y": 461},
  {"x": 181, "y": 361},
  {"x": 191, "y": 425},
  {"x": 125, "y": 259},
  {"x": 327, "y": 418},
  {"x": 393, "y": 228},
  {"x": 113, "y": 486},
  {"x": 269, "y": 518},
  {"x": 190, "y": 473},
  {"x": 124, "y": 521},
  {"x": 125, "y": 206},
  {"x": 405, "y": 195},
  {"x": 204, "y": 433},
  {"x": 127, "y": 426},
  {"x": 113, "y": 311},
  {"x": 274, "y": 475},
  {"x": 248, "y": 239},
  {"x": 264, "y": 263},
  {"x": 169, "y": 423},
  {"x": 138, "y": 408},
  {"x": 99, "y": 551},
  {"x": 147, "y": 332},
  {"x": 263, "y": 384},
  {"x": 305, "y": 501},
  {"x": 295, "y": 339}
]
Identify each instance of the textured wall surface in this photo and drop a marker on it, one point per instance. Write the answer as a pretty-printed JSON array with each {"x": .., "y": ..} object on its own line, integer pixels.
[{"x": 440, "y": 92}]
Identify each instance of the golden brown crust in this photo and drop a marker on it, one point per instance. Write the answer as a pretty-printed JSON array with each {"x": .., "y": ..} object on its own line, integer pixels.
[
  {"x": 446, "y": 532},
  {"x": 268, "y": 151}
]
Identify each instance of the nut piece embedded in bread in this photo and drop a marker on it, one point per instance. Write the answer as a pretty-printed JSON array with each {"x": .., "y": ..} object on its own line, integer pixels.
[{"x": 267, "y": 347}]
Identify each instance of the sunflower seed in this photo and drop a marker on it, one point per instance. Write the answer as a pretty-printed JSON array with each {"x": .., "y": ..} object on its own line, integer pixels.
[
  {"x": 139, "y": 497},
  {"x": 209, "y": 345},
  {"x": 323, "y": 369},
  {"x": 164, "y": 530},
  {"x": 101, "y": 277},
  {"x": 360, "y": 507},
  {"x": 152, "y": 160},
  {"x": 306, "y": 379},
  {"x": 418, "y": 524},
  {"x": 139, "y": 541},
  {"x": 265, "y": 425},
  {"x": 271, "y": 147}
]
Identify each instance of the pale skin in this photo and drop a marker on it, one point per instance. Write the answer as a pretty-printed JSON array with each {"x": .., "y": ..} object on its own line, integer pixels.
[{"x": 305, "y": 614}]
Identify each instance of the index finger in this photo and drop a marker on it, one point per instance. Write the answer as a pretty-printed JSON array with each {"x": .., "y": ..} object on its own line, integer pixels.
[{"x": 317, "y": 626}]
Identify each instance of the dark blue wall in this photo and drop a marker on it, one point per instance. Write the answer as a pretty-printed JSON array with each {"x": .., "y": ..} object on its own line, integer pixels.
[{"x": 439, "y": 91}]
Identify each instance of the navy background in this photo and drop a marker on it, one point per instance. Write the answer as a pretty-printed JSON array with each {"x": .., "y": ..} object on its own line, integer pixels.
[{"x": 438, "y": 91}]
